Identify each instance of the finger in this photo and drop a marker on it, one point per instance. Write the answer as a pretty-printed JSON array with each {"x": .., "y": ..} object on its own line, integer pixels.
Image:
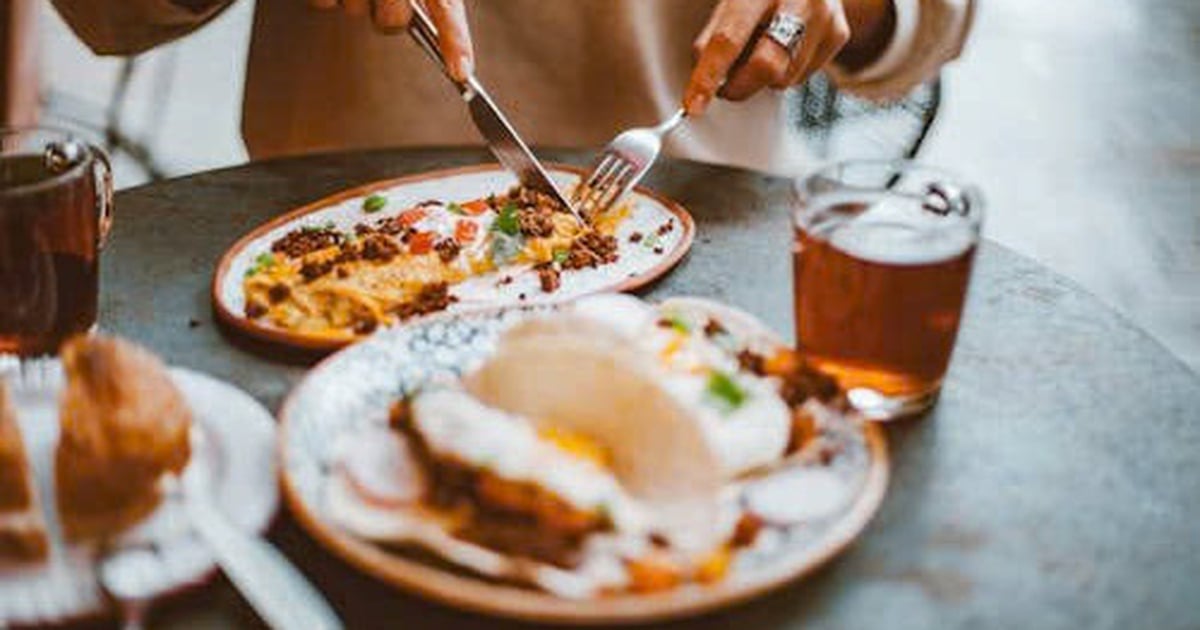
[
  {"x": 454, "y": 33},
  {"x": 733, "y": 23},
  {"x": 355, "y": 7},
  {"x": 323, "y": 4},
  {"x": 833, "y": 43},
  {"x": 816, "y": 30},
  {"x": 390, "y": 16},
  {"x": 767, "y": 65}
]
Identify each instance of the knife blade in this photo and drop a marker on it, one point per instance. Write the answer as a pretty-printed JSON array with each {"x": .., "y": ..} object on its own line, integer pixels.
[{"x": 502, "y": 139}]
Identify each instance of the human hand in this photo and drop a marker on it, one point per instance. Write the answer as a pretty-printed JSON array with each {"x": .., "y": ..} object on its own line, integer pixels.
[
  {"x": 736, "y": 60},
  {"x": 392, "y": 16}
]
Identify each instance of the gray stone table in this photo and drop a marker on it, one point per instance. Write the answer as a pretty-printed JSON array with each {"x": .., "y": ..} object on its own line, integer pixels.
[{"x": 1056, "y": 485}]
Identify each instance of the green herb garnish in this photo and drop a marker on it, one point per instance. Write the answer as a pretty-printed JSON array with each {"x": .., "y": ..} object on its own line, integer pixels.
[
  {"x": 561, "y": 256},
  {"x": 651, "y": 241},
  {"x": 506, "y": 221},
  {"x": 725, "y": 392},
  {"x": 455, "y": 209},
  {"x": 261, "y": 262},
  {"x": 374, "y": 203}
]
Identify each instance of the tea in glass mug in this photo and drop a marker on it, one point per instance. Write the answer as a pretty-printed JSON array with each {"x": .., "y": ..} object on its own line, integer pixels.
[{"x": 55, "y": 209}]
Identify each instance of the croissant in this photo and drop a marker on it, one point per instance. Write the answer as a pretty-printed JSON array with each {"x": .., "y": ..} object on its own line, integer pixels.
[{"x": 124, "y": 425}]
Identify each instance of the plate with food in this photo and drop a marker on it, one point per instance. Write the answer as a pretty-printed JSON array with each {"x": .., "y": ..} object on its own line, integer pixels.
[
  {"x": 601, "y": 461},
  {"x": 92, "y": 448},
  {"x": 338, "y": 269}
]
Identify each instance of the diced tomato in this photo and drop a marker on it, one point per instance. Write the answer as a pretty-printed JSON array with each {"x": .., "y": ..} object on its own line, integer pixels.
[
  {"x": 409, "y": 217},
  {"x": 420, "y": 243},
  {"x": 465, "y": 231},
  {"x": 479, "y": 206}
]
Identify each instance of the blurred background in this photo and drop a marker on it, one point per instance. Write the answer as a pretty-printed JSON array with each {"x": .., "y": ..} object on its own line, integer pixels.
[{"x": 1079, "y": 118}]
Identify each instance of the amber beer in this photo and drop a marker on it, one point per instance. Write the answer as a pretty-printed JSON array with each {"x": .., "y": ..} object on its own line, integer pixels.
[{"x": 880, "y": 284}]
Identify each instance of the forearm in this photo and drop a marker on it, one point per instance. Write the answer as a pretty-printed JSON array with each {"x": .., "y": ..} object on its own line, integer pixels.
[{"x": 872, "y": 25}]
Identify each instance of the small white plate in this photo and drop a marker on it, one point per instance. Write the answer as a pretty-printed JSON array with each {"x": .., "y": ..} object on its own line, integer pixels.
[{"x": 237, "y": 452}]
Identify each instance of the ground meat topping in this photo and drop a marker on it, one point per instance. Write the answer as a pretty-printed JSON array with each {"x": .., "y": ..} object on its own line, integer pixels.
[
  {"x": 636, "y": 237},
  {"x": 447, "y": 249},
  {"x": 306, "y": 240},
  {"x": 591, "y": 249},
  {"x": 712, "y": 328},
  {"x": 549, "y": 276},
  {"x": 750, "y": 361},
  {"x": 379, "y": 248},
  {"x": 278, "y": 292},
  {"x": 431, "y": 299},
  {"x": 315, "y": 269},
  {"x": 391, "y": 226},
  {"x": 666, "y": 228},
  {"x": 536, "y": 221},
  {"x": 255, "y": 309}
]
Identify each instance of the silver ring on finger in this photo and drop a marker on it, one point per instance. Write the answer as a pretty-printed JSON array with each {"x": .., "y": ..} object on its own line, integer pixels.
[{"x": 786, "y": 29}]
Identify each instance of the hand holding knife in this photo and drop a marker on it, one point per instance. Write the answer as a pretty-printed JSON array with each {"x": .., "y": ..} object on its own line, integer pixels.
[{"x": 508, "y": 147}]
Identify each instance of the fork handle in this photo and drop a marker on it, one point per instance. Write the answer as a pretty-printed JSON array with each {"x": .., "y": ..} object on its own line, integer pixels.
[{"x": 669, "y": 125}]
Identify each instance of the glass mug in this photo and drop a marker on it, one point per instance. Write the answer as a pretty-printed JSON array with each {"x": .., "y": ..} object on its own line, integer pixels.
[
  {"x": 55, "y": 212},
  {"x": 882, "y": 256}
]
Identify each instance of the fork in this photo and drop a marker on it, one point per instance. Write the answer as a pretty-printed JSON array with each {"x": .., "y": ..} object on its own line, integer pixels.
[{"x": 622, "y": 165}]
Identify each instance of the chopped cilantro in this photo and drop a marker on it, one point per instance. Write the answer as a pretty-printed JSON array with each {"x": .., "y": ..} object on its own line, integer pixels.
[
  {"x": 374, "y": 203},
  {"x": 261, "y": 262},
  {"x": 454, "y": 208},
  {"x": 561, "y": 255},
  {"x": 651, "y": 241},
  {"x": 506, "y": 221},
  {"x": 725, "y": 392}
]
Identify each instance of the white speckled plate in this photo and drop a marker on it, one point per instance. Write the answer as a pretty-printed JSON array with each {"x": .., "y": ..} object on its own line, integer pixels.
[
  {"x": 237, "y": 451},
  {"x": 639, "y": 263},
  {"x": 351, "y": 391}
]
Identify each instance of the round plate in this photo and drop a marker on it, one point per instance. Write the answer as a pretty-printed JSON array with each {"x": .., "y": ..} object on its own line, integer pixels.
[
  {"x": 236, "y": 451},
  {"x": 639, "y": 264},
  {"x": 353, "y": 389}
]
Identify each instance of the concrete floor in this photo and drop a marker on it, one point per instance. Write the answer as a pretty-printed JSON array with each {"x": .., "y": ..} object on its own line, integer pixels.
[{"x": 1079, "y": 118}]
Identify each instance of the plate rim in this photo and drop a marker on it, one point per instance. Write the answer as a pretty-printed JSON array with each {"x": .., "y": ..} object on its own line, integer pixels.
[
  {"x": 249, "y": 327},
  {"x": 473, "y": 594}
]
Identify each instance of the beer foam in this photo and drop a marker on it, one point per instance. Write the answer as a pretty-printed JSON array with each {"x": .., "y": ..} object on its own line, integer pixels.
[{"x": 901, "y": 232}]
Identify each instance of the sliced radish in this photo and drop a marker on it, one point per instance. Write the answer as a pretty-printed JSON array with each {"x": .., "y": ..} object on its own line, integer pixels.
[{"x": 380, "y": 468}]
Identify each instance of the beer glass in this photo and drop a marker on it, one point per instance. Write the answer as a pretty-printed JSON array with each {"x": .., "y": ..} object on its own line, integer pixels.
[
  {"x": 882, "y": 258},
  {"x": 55, "y": 211}
]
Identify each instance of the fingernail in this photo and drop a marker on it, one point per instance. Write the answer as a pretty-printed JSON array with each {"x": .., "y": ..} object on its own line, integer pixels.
[
  {"x": 467, "y": 65},
  {"x": 696, "y": 103}
]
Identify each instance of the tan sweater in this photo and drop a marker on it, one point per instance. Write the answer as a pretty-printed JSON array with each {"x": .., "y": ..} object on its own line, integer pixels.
[{"x": 568, "y": 73}]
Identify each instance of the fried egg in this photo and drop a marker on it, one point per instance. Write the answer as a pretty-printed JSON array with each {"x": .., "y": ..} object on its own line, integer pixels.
[
  {"x": 742, "y": 414},
  {"x": 456, "y": 426}
]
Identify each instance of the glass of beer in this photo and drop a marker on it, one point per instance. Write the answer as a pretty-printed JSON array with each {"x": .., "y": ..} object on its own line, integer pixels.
[
  {"x": 55, "y": 211},
  {"x": 882, "y": 259}
]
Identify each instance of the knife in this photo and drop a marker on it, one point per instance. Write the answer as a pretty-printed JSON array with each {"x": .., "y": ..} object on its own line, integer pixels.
[{"x": 508, "y": 147}]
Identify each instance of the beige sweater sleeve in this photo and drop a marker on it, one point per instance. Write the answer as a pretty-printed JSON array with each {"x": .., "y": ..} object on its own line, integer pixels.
[
  {"x": 127, "y": 27},
  {"x": 928, "y": 34}
]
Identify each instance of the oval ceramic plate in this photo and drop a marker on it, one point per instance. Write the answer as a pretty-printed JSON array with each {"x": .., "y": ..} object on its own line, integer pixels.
[
  {"x": 236, "y": 453},
  {"x": 640, "y": 263},
  {"x": 352, "y": 390}
]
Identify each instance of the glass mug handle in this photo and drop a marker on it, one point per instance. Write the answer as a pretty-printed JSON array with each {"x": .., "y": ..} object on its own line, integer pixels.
[{"x": 103, "y": 177}]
